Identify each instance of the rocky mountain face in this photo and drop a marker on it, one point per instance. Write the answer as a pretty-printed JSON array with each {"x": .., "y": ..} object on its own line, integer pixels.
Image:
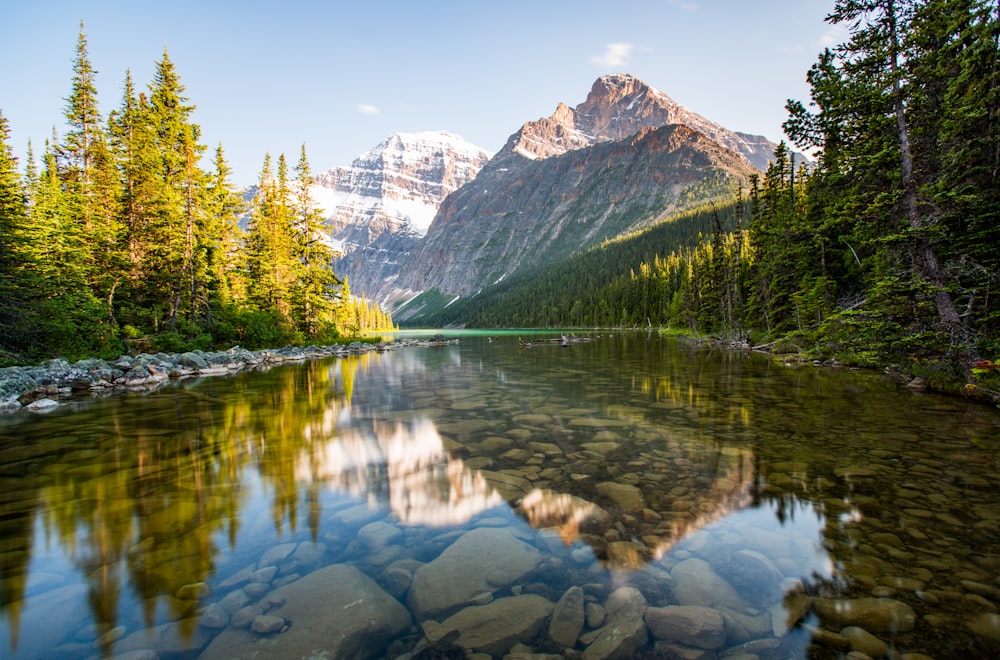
[
  {"x": 617, "y": 162},
  {"x": 618, "y": 106},
  {"x": 380, "y": 207},
  {"x": 547, "y": 209}
]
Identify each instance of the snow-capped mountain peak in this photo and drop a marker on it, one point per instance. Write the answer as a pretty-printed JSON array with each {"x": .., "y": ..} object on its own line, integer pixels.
[{"x": 381, "y": 205}]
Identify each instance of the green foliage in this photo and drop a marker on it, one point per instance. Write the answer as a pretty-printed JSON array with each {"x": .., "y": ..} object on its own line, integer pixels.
[
  {"x": 885, "y": 251},
  {"x": 590, "y": 288},
  {"x": 121, "y": 238}
]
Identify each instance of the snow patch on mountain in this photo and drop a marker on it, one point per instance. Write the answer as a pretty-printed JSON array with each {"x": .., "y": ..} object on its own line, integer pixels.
[
  {"x": 403, "y": 180},
  {"x": 383, "y": 203}
]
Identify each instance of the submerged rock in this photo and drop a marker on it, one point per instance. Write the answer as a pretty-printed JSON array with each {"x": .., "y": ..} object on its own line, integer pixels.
[
  {"x": 337, "y": 611},
  {"x": 872, "y": 614},
  {"x": 568, "y": 618},
  {"x": 629, "y": 498},
  {"x": 624, "y": 631},
  {"x": 495, "y": 627},
  {"x": 470, "y": 566},
  {"x": 701, "y": 627}
]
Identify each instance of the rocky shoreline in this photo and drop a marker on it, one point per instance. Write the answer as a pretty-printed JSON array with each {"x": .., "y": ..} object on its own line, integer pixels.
[{"x": 45, "y": 386}]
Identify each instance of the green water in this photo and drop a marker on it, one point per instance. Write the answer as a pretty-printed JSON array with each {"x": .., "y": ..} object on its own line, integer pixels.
[{"x": 802, "y": 511}]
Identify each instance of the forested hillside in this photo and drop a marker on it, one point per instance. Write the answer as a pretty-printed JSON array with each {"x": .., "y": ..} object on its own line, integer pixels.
[
  {"x": 119, "y": 240},
  {"x": 887, "y": 251},
  {"x": 595, "y": 288}
]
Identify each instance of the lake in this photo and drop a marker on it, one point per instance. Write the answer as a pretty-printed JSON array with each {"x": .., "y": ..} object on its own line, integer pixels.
[{"x": 617, "y": 495}]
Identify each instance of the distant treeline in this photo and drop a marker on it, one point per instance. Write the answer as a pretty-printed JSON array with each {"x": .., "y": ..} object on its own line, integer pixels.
[
  {"x": 119, "y": 239},
  {"x": 886, "y": 250}
]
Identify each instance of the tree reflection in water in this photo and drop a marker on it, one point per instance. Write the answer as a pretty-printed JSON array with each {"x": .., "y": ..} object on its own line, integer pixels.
[{"x": 143, "y": 504}]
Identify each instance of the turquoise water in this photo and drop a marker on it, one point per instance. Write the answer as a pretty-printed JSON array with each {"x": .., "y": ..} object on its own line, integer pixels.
[{"x": 502, "y": 498}]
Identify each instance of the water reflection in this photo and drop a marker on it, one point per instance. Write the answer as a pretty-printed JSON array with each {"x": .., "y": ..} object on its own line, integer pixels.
[
  {"x": 788, "y": 506},
  {"x": 405, "y": 463}
]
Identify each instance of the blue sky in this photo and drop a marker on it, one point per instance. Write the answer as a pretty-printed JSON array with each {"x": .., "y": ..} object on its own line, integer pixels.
[{"x": 267, "y": 77}]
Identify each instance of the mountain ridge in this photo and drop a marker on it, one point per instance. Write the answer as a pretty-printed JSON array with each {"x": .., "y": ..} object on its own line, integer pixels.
[
  {"x": 614, "y": 163},
  {"x": 619, "y": 105},
  {"x": 380, "y": 206}
]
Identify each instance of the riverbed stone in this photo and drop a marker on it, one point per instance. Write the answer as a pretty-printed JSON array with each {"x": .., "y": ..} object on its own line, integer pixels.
[
  {"x": 396, "y": 580},
  {"x": 696, "y": 583},
  {"x": 276, "y": 555},
  {"x": 786, "y": 614},
  {"x": 595, "y": 615},
  {"x": 602, "y": 448},
  {"x": 690, "y": 625},
  {"x": 241, "y": 576},
  {"x": 174, "y": 638},
  {"x": 510, "y": 486},
  {"x": 986, "y": 624},
  {"x": 308, "y": 555},
  {"x": 629, "y": 498},
  {"x": 266, "y": 624},
  {"x": 568, "y": 618},
  {"x": 243, "y": 617},
  {"x": 256, "y": 589},
  {"x": 865, "y": 642},
  {"x": 495, "y": 627},
  {"x": 214, "y": 616},
  {"x": 624, "y": 630},
  {"x": 872, "y": 614},
  {"x": 264, "y": 574},
  {"x": 625, "y": 554},
  {"x": 356, "y": 515},
  {"x": 467, "y": 568},
  {"x": 378, "y": 535},
  {"x": 337, "y": 611},
  {"x": 753, "y": 575}
]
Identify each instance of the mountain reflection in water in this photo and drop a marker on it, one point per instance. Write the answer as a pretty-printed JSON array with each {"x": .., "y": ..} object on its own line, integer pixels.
[
  {"x": 407, "y": 462},
  {"x": 789, "y": 506}
]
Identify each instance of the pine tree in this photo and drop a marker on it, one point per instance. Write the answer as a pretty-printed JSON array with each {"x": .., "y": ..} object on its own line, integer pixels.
[
  {"x": 223, "y": 236},
  {"x": 173, "y": 223},
  {"x": 13, "y": 205},
  {"x": 86, "y": 170},
  {"x": 316, "y": 284},
  {"x": 269, "y": 253},
  {"x": 78, "y": 152}
]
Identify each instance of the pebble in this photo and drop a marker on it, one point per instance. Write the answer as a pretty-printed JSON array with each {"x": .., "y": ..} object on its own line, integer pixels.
[{"x": 266, "y": 624}]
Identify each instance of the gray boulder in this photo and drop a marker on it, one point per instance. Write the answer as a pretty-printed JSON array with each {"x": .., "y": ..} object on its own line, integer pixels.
[
  {"x": 568, "y": 618},
  {"x": 496, "y": 627},
  {"x": 15, "y": 381},
  {"x": 624, "y": 631},
  {"x": 335, "y": 612},
  {"x": 700, "y": 627},
  {"x": 483, "y": 560},
  {"x": 872, "y": 614}
]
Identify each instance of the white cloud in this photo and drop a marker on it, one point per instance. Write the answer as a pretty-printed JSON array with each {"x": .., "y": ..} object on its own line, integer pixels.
[
  {"x": 834, "y": 36},
  {"x": 367, "y": 109},
  {"x": 614, "y": 56}
]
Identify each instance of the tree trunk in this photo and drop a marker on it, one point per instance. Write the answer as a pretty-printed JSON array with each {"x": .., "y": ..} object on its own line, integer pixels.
[{"x": 925, "y": 260}]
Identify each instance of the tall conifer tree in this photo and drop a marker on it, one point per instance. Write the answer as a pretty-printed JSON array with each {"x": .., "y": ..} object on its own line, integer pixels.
[
  {"x": 316, "y": 284},
  {"x": 13, "y": 205}
]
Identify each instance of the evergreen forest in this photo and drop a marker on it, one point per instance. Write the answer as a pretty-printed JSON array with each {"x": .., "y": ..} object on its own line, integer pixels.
[
  {"x": 119, "y": 240},
  {"x": 884, "y": 251}
]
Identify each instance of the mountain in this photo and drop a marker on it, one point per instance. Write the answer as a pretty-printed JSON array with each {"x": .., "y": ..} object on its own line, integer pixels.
[
  {"x": 619, "y": 105},
  {"x": 625, "y": 157},
  {"x": 380, "y": 207}
]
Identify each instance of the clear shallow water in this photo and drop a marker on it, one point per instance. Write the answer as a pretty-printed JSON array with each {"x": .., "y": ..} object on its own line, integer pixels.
[{"x": 687, "y": 498}]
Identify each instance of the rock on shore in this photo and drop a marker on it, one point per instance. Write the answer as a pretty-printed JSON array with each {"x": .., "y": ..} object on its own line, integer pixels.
[{"x": 21, "y": 386}]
